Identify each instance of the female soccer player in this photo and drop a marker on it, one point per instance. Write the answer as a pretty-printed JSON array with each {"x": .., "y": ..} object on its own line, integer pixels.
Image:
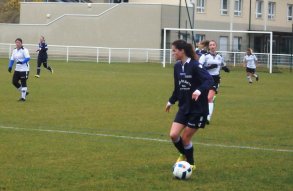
[
  {"x": 202, "y": 47},
  {"x": 249, "y": 61},
  {"x": 22, "y": 57},
  {"x": 42, "y": 57},
  {"x": 213, "y": 62},
  {"x": 191, "y": 85}
]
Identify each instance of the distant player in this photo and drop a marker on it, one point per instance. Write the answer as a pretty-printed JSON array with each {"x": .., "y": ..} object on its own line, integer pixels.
[
  {"x": 202, "y": 47},
  {"x": 213, "y": 63},
  {"x": 21, "y": 56},
  {"x": 249, "y": 61},
  {"x": 191, "y": 85},
  {"x": 42, "y": 57}
]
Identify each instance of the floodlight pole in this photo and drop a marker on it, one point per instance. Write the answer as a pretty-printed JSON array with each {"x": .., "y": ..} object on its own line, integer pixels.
[
  {"x": 271, "y": 52},
  {"x": 193, "y": 13},
  {"x": 164, "y": 50},
  {"x": 291, "y": 50},
  {"x": 179, "y": 22},
  {"x": 190, "y": 23},
  {"x": 249, "y": 25}
]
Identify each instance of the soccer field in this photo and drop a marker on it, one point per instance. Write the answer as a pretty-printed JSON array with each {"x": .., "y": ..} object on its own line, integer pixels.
[{"x": 103, "y": 127}]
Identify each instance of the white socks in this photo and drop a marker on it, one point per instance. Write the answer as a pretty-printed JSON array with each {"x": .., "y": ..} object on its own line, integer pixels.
[
  {"x": 249, "y": 79},
  {"x": 211, "y": 109},
  {"x": 189, "y": 146},
  {"x": 23, "y": 92}
]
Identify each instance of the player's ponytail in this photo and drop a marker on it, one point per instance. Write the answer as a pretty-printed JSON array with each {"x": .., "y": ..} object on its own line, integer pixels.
[
  {"x": 205, "y": 44},
  {"x": 250, "y": 51},
  {"x": 189, "y": 51}
]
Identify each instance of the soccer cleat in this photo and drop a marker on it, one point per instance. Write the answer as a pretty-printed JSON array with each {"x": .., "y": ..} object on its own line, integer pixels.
[
  {"x": 26, "y": 94},
  {"x": 37, "y": 76},
  {"x": 52, "y": 71},
  {"x": 193, "y": 167},
  {"x": 256, "y": 78},
  {"x": 181, "y": 158},
  {"x": 208, "y": 122},
  {"x": 21, "y": 100}
]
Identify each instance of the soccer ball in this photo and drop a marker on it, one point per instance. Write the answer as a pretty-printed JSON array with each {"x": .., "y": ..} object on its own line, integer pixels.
[{"x": 182, "y": 170}]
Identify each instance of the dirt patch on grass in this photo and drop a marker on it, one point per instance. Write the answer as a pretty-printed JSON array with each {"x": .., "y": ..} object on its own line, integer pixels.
[{"x": 9, "y": 11}]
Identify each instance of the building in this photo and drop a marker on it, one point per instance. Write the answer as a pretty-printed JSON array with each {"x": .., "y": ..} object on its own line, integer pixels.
[
  {"x": 137, "y": 24},
  {"x": 250, "y": 15}
]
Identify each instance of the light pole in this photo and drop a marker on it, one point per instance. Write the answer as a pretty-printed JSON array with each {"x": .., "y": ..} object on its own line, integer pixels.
[
  {"x": 291, "y": 50},
  {"x": 249, "y": 26},
  {"x": 179, "y": 23},
  {"x": 193, "y": 10}
]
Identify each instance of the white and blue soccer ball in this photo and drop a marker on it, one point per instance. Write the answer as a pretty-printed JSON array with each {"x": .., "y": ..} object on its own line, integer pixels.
[{"x": 182, "y": 170}]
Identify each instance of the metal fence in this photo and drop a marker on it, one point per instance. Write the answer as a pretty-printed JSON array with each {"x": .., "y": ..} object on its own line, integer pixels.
[
  {"x": 134, "y": 55},
  {"x": 73, "y": 1},
  {"x": 88, "y": 53},
  {"x": 69, "y": 1}
]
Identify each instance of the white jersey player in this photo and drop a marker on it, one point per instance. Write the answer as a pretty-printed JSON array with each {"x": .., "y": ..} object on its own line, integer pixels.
[
  {"x": 213, "y": 63},
  {"x": 249, "y": 61},
  {"x": 21, "y": 56}
]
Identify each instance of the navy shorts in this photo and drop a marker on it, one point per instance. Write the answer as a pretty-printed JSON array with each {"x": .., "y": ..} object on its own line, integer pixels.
[
  {"x": 191, "y": 120},
  {"x": 250, "y": 70},
  {"x": 216, "y": 84}
]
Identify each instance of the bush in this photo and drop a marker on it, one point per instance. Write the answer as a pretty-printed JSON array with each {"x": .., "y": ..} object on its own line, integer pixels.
[{"x": 10, "y": 11}]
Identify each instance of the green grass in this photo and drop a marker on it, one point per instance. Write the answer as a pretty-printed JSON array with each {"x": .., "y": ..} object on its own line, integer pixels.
[{"x": 88, "y": 99}]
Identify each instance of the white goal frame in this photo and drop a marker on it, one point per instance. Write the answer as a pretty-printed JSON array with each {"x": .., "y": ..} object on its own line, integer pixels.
[{"x": 227, "y": 31}]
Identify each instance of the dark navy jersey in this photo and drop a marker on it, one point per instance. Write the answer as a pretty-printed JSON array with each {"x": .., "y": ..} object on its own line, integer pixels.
[
  {"x": 43, "y": 47},
  {"x": 189, "y": 77},
  {"x": 200, "y": 52}
]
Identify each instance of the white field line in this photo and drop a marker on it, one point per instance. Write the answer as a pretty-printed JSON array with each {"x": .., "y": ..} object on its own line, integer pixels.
[{"x": 146, "y": 139}]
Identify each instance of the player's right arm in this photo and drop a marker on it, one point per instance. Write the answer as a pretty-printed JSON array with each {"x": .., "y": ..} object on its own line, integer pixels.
[
  {"x": 11, "y": 62},
  {"x": 173, "y": 97}
]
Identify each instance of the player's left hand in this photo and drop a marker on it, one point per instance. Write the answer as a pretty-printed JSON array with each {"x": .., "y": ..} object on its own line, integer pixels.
[
  {"x": 168, "y": 107},
  {"x": 196, "y": 94},
  {"x": 9, "y": 70}
]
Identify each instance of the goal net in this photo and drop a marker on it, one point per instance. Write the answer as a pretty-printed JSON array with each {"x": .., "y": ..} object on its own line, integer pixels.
[{"x": 231, "y": 44}]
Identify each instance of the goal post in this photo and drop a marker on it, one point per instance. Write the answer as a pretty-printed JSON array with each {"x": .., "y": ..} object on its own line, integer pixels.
[{"x": 229, "y": 33}]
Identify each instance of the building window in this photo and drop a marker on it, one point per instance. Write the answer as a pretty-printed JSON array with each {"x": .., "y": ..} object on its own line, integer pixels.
[
  {"x": 259, "y": 8},
  {"x": 223, "y": 43},
  {"x": 237, "y": 7},
  {"x": 199, "y": 37},
  {"x": 200, "y": 6},
  {"x": 272, "y": 10},
  {"x": 237, "y": 43},
  {"x": 290, "y": 12},
  {"x": 224, "y": 7}
]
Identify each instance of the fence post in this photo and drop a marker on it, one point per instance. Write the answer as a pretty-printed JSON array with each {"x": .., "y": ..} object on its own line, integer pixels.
[
  {"x": 97, "y": 55},
  {"x": 170, "y": 57},
  {"x": 268, "y": 63},
  {"x": 109, "y": 60},
  {"x": 128, "y": 55},
  {"x": 147, "y": 55},
  {"x": 10, "y": 50},
  {"x": 67, "y": 54},
  {"x": 234, "y": 59}
]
